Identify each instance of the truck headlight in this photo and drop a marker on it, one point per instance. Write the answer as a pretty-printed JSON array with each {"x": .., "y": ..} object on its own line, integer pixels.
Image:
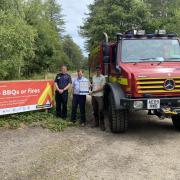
[{"x": 138, "y": 104}]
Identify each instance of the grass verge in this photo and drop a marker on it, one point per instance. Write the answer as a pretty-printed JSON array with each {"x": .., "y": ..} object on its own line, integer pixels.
[{"x": 36, "y": 118}]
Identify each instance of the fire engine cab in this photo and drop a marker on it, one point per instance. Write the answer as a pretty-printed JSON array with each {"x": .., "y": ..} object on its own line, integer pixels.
[{"x": 143, "y": 73}]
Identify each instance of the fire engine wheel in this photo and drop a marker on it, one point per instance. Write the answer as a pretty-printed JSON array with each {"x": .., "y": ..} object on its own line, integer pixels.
[
  {"x": 118, "y": 118},
  {"x": 176, "y": 121}
]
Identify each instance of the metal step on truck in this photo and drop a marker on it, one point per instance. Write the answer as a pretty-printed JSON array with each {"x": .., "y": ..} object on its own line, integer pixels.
[{"x": 143, "y": 73}]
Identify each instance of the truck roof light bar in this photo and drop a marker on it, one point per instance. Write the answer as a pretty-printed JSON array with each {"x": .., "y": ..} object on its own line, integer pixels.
[
  {"x": 136, "y": 32},
  {"x": 172, "y": 35},
  {"x": 132, "y": 33},
  {"x": 161, "y": 33},
  {"x": 140, "y": 33}
]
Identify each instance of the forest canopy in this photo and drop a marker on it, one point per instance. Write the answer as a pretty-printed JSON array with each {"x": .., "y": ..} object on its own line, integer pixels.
[
  {"x": 113, "y": 16},
  {"x": 33, "y": 39}
]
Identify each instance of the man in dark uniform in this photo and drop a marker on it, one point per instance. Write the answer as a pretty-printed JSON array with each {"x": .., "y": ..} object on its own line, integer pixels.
[{"x": 62, "y": 83}]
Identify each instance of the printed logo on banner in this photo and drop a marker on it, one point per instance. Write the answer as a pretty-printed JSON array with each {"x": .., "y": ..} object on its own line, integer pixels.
[{"x": 46, "y": 98}]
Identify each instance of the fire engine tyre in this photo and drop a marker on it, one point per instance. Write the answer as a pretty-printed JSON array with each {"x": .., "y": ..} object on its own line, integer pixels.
[
  {"x": 176, "y": 121},
  {"x": 117, "y": 118}
]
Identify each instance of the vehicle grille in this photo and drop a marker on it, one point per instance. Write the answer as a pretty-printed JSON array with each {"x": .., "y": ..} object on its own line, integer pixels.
[{"x": 156, "y": 85}]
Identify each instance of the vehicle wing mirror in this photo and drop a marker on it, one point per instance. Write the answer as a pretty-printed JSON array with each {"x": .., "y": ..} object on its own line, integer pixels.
[{"x": 106, "y": 53}]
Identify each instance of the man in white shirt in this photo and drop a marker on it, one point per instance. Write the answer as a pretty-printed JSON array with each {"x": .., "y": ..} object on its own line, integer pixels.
[
  {"x": 79, "y": 96},
  {"x": 98, "y": 82}
]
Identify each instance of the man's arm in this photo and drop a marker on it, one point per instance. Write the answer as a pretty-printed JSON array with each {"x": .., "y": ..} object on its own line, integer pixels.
[
  {"x": 57, "y": 88},
  {"x": 67, "y": 87},
  {"x": 55, "y": 82},
  {"x": 101, "y": 87},
  {"x": 69, "y": 84},
  {"x": 56, "y": 85}
]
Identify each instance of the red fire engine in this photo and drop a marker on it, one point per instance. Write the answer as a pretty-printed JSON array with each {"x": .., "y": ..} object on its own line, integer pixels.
[{"x": 143, "y": 73}]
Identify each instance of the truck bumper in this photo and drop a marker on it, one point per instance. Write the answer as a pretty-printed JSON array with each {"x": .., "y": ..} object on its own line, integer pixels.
[{"x": 173, "y": 102}]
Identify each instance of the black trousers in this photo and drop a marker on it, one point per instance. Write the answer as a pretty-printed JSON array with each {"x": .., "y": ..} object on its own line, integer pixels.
[
  {"x": 61, "y": 104},
  {"x": 81, "y": 101}
]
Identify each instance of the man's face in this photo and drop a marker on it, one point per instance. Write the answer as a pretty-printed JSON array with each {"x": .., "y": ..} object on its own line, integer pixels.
[
  {"x": 63, "y": 69},
  {"x": 98, "y": 72},
  {"x": 80, "y": 73}
]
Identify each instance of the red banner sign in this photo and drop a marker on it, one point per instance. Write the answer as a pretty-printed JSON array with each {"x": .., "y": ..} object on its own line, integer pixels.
[{"x": 21, "y": 96}]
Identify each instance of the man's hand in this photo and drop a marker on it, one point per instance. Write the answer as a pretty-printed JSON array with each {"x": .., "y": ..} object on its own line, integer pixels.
[
  {"x": 90, "y": 93},
  {"x": 60, "y": 91}
]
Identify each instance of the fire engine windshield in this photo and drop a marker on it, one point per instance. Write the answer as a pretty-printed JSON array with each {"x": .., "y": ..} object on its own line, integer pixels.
[{"x": 143, "y": 50}]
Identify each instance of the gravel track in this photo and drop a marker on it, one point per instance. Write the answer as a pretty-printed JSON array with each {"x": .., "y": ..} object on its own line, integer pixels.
[{"x": 149, "y": 150}]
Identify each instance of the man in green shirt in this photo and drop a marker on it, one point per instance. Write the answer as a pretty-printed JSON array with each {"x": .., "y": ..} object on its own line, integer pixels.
[{"x": 98, "y": 82}]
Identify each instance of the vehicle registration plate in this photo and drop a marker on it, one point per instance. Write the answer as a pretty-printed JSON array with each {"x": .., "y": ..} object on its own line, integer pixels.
[{"x": 153, "y": 104}]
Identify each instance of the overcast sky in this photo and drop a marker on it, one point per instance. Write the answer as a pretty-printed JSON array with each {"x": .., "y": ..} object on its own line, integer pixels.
[{"x": 74, "y": 12}]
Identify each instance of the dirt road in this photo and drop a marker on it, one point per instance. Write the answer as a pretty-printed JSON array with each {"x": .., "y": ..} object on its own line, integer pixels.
[{"x": 149, "y": 150}]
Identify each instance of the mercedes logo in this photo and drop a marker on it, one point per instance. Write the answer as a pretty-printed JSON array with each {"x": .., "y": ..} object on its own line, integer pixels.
[{"x": 169, "y": 84}]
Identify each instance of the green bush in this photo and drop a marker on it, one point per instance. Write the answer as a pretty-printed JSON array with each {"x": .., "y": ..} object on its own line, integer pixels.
[
  {"x": 13, "y": 124},
  {"x": 56, "y": 124},
  {"x": 2, "y": 123},
  {"x": 37, "y": 118}
]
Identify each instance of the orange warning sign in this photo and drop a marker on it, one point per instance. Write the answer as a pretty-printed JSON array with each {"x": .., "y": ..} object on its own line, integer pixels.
[{"x": 20, "y": 96}]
